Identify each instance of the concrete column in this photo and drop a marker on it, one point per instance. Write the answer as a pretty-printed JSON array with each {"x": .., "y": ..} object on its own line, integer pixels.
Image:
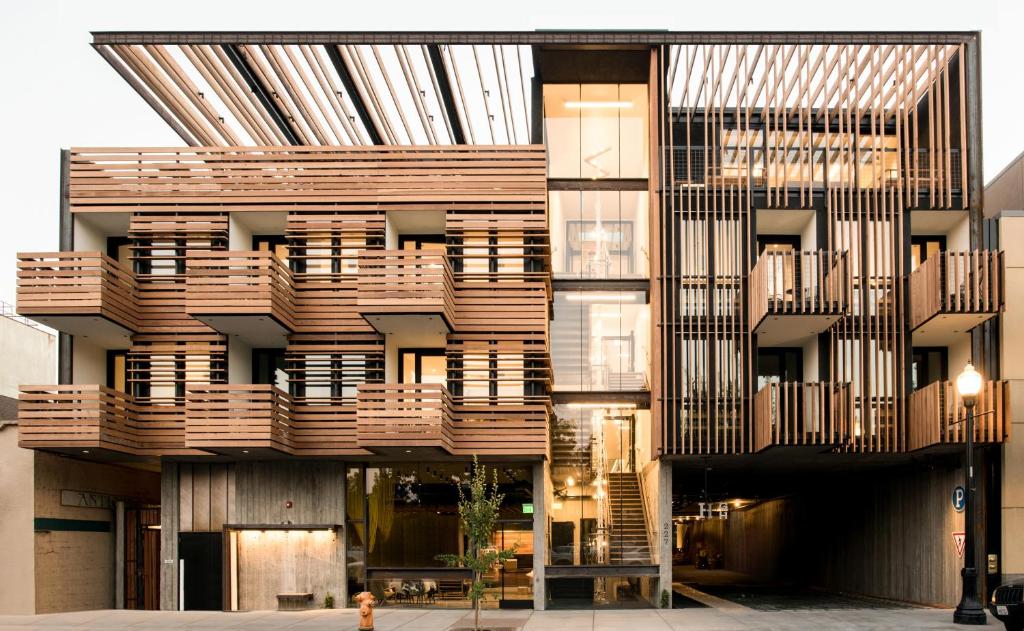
[
  {"x": 540, "y": 542},
  {"x": 119, "y": 554},
  {"x": 169, "y": 536},
  {"x": 664, "y": 529}
]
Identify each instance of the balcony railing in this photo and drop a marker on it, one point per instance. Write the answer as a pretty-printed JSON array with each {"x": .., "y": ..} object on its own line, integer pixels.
[
  {"x": 405, "y": 282},
  {"x": 222, "y": 287},
  {"x": 237, "y": 419},
  {"x": 77, "y": 419},
  {"x": 502, "y": 426},
  {"x": 958, "y": 290},
  {"x": 400, "y": 418},
  {"x": 937, "y": 416},
  {"x": 815, "y": 285},
  {"x": 56, "y": 286},
  {"x": 802, "y": 414}
]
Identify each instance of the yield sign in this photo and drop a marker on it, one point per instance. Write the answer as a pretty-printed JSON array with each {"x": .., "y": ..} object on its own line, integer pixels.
[{"x": 958, "y": 541}]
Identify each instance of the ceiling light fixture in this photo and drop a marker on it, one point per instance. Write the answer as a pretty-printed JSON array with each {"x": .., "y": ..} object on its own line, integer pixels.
[
  {"x": 598, "y": 105},
  {"x": 601, "y": 297}
]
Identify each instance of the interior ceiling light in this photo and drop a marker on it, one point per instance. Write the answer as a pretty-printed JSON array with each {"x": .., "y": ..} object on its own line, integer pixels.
[
  {"x": 601, "y": 406},
  {"x": 598, "y": 105},
  {"x": 596, "y": 297}
]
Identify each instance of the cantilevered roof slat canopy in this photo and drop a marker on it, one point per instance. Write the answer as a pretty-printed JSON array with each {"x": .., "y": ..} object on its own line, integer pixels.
[{"x": 441, "y": 88}]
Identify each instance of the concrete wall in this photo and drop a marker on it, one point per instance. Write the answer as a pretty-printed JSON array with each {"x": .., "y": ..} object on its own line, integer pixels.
[
  {"x": 30, "y": 356},
  {"x": 298, "y": 561},
  {"x": 74, "y": 569},
  {"x": 17, "y": 475},
  {"x": 885, "y": 534},
  {"x": 88, "y": 362},
  {"x": 1011, "y": 231}
]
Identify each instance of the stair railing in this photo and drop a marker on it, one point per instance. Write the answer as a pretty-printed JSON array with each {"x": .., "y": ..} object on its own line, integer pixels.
[{"x": 649, "y": 524}]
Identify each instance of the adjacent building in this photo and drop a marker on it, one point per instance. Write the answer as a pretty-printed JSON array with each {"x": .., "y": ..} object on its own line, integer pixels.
[
  {"x": 68, "y": 525},
  {"x": 699, "y": 299}
]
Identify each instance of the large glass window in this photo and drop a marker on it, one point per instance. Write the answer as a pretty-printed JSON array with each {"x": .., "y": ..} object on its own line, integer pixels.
[
  {"x": 599, "y": 234},
  {"x": 595, "y": 454},
  {"x": 401, "y": 516},
  {"x": 596, "y": 131},
  {"x": 600, "y": 341}
]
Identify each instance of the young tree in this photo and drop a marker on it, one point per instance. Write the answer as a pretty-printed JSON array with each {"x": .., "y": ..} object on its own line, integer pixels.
[{"x": 478, "y": 510}]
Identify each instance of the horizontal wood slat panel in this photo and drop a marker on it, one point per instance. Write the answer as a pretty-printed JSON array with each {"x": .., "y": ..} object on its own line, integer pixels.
[
  {"x": 415, "y": 282},
  {"x": 279, "y": 178},
  {"x": 404, "y": 416},
  {"x": 240, "y": 283},
  {"x": 239, "y": 416},
  {"x": 97, "y": 417},
  {"x": 76, "y": 284}
]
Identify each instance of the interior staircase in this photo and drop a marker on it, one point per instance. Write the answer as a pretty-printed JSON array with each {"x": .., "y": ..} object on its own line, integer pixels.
[{"x": 628, "y": 544}]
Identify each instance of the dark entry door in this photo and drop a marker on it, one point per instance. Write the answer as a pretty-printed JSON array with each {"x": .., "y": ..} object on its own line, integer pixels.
[
  {"x": 142, "y": 558},
  {"x": 202, "y": 554}
]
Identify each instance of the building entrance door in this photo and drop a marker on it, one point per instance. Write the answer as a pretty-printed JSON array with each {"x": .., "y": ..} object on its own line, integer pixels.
[
  {"x": 200, "y": 557},
  {"x": 142, "y": 558}
]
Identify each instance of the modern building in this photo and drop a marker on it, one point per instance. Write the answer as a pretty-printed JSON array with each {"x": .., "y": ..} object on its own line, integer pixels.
[{"x": 699, "y": 298}]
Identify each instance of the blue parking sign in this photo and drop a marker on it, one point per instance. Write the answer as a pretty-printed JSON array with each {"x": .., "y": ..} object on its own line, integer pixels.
[{"x": 959, "y": 499}]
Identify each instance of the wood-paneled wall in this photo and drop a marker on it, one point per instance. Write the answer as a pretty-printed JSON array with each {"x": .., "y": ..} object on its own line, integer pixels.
[{"x": 491, "y": 201}]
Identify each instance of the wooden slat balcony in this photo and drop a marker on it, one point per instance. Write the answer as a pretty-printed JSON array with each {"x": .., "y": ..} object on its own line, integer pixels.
[
  {"x": 403, "y": 290},
  {"x": 503, "y": 427},
  {"x": 794, "y": 295},
  {"x": 79, "y": 419},
  {"x": 239, "y": 420},
  {"x": 794, "y": 414},
  {"x": 81, "y": 293},
  {"x": 101, "y": 421},
  {"x": 953, "y": 292},
  {"x": 937, "y": 417},
  {"x": 245, "y": 294},
  {"x": 404, "y": 418}
]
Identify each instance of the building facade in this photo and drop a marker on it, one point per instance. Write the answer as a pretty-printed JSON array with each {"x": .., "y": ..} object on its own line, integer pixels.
[{"x": 698, "y": 298}]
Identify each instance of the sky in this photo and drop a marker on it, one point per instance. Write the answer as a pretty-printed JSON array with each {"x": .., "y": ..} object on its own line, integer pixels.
[{"x": 57, "y": 92}]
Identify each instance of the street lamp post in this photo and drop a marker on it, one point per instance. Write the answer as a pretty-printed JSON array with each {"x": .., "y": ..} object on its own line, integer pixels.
[{"x": 970, "y": 610}]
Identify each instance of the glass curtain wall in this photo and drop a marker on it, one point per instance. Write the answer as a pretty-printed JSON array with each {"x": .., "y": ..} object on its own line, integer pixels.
[
  {"x": 400, "y": 516},
  {"x": 597, "y": 139}
]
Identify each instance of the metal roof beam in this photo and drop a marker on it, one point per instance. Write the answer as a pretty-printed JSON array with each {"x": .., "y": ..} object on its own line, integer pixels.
[
  {"x": 447, "y": 96},
  {"x": 350, "y": 87},
  {"x": 257, "y": 87}
]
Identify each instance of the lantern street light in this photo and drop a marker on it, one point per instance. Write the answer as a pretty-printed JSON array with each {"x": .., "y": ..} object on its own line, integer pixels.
[{"x": 970, "y": 610}]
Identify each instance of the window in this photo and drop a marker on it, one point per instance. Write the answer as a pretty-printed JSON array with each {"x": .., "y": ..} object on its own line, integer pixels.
[
  {"x": 924, "y": 246},
  {"x": 930, "y": 364},
  {"x": 778, "y": 243},
  {"x": 268, "y": 367},
  {"x": 117, "y": 370},
  {"x": 779, "y": 365},
  {"x": 599, "y": 234},
  {"x": 120, "y": 249},
  {"x": 421, "y": 242},
  {"x": 596, "y": 131},
  {"x": 600, "y": 341},
  {"x": 276, "y": 243},
  {"x": 423, "y": 365}
]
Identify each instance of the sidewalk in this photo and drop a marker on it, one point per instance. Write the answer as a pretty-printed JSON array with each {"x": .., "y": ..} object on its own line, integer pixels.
[{"x": 440, "y": 620}]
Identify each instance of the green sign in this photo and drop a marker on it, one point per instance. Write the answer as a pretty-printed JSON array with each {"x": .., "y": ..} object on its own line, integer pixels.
[{"x": 527, "y": 509}]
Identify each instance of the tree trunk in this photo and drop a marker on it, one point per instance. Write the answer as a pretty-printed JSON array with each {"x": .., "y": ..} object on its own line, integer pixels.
[{"x": 476, "y": 605}]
